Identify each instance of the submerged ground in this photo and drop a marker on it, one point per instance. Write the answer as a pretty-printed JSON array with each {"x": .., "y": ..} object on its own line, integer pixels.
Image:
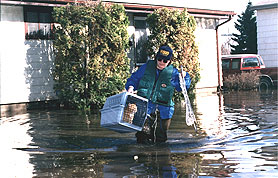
[{"x": 237, "y": 137}]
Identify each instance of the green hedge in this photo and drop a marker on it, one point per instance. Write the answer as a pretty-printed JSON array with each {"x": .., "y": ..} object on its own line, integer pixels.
[
  {"x": 90, "y": 53},
  {"x": 175, "y": 28},
  {"x": 90, "y": 49}
]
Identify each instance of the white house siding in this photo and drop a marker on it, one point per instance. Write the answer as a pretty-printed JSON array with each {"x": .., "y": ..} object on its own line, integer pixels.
[
  {"x": 206, "y": 41},
  {"x": 24, "y": 64},
  {"x": 267, "y": 34},
  {"x": 40, "y": 61}
]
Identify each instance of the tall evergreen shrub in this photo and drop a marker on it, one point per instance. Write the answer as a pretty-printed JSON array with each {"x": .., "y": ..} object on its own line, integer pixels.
[
  {"x": 176, "y": 29},
  {"x": 246, "y": 39},
  {"x": 90, "y": 53}
]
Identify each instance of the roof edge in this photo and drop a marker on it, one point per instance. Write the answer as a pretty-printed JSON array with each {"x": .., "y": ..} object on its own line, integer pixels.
[
  {"x": 143, "y": 8},
  {"x": 149, "y": 7},
  {"x": 265, "y": 6}
]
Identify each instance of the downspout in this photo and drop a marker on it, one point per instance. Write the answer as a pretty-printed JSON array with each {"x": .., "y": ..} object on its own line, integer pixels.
[{"x": 219, "y": 67}]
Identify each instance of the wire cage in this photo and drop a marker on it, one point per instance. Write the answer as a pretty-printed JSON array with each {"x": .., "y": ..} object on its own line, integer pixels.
[{"x": 124, "y": 112}]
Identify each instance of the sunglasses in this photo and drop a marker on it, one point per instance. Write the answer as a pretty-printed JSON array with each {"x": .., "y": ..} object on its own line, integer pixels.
[{"x": 164, "y": 60}]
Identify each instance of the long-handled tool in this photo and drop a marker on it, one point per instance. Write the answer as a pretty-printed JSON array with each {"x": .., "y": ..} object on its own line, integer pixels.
[{"x": 190, "y": 117}]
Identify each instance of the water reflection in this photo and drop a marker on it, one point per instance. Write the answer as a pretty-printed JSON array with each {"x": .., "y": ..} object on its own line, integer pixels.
[
  {"x": 210, "y": 109},
  {"x": 250, "y": 123},
  {"x": 14, "y": 133},
  {"x": 237, "y": 135}
]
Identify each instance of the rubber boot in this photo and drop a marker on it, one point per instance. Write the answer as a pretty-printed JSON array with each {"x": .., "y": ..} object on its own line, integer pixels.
[
  {"x": 161, "y": 131},
  {"x": 146, "y": 135}
]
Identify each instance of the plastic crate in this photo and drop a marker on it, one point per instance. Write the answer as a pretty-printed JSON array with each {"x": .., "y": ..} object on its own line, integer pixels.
[{"x": 124, "y": 112}]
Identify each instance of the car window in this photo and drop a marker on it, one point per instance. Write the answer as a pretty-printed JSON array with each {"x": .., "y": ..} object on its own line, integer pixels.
[
  {"x": 226, "y": 64},
  {"x": 261, "y": 60},
  {"x": 250, "y": 62},
  {"x": 235, "y": 63}
]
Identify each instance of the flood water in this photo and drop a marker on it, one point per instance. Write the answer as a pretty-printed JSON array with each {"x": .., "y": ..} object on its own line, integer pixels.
[{"x": 236, "y": 137}]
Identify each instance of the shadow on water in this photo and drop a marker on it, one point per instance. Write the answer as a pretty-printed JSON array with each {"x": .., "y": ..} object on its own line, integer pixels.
[{"x": 237, "y": 136}]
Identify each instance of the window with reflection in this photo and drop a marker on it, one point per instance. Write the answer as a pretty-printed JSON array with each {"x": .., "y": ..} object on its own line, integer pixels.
[
  {"x": 235, "y": 63},
  {"x": 38, "y": 22},
  {"x": 261, "y": 60},
  {"x": 250, "y": 62},
  {"x": 140, "y": 37},
  {"x": 225, "y": 64},
  {"x": 206, "y": 23}
]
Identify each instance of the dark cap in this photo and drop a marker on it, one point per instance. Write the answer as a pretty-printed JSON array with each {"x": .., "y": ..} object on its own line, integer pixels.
[{"x": 164, "y": 52}]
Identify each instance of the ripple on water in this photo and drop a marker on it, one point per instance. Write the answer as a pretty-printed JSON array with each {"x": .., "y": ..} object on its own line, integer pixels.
[{"x": 239, "y": 139}]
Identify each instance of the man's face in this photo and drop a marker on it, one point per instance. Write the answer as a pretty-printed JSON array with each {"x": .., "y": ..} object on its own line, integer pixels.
[{"x": 161, "y": 64}]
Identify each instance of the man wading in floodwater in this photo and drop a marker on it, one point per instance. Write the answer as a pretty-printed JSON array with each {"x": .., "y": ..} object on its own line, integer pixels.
[{"x": 156, "y": 80}]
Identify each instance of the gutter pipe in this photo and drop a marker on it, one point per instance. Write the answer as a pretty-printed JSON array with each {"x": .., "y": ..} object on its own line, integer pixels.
[{"x": 219, "y": 67}]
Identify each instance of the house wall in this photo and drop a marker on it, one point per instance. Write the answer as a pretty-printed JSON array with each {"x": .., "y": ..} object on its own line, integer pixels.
[
  {"x": 25, "y": 65},
  {"x": 267, "y": 36},
  {"x": 206, "y": 41}
]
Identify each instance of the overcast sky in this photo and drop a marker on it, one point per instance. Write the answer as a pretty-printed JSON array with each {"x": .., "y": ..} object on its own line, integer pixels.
[{"x": 238, "y": 6}]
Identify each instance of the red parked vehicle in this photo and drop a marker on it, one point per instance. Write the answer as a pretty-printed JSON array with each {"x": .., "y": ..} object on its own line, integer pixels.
[{"x": 237, "y": 63}]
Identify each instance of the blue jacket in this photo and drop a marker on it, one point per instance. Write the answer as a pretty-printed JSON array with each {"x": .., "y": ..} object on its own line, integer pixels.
[{"x": 166, "y": 112}]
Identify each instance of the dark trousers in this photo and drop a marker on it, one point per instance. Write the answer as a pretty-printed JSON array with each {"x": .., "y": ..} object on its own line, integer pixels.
[{"x": 154, "y": 130}]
